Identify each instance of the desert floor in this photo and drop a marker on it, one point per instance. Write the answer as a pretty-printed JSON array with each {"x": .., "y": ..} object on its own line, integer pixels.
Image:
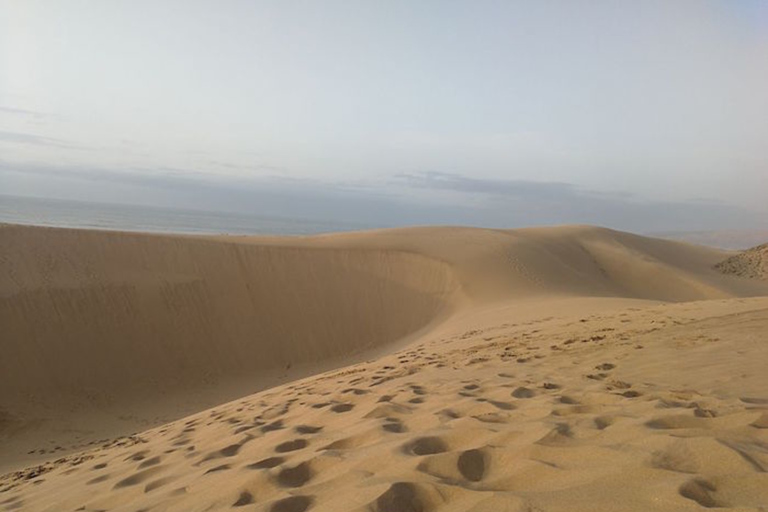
[{"x": 426, "y": 369}]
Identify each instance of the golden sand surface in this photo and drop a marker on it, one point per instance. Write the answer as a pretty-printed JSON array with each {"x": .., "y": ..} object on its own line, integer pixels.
[{"x": 422, "y": 369}]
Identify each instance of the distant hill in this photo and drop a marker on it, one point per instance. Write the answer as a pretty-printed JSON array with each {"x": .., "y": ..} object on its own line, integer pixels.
[
  {"x": 752, "y": 263},
  {"x": 735, "y": 239}
]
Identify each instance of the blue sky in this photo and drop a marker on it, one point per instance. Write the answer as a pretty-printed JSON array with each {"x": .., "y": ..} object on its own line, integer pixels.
[{"x": 493, "y": 113}]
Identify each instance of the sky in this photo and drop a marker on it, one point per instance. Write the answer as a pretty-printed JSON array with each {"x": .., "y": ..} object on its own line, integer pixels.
[{"x": 644, "y": 116}]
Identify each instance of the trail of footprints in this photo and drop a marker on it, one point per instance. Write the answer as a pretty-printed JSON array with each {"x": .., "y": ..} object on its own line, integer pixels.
[{"x": 483, "y": 414}]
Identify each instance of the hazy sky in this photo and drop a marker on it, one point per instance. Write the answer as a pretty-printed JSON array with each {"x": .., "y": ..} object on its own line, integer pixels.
[{"x": 636, "y": 115}]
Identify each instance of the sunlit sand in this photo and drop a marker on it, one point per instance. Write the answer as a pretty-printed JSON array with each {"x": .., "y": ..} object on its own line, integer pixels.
[{"x": 422, "y": 369}]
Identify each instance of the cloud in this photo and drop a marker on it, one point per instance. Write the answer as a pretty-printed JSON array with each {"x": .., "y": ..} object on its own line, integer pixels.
[
  {"x": 36, "y": 116},
  {"x": 21, "y": 111},
  {"x": 514, "y": 188},
  {"x": 404, "y": 199},
  {"x": 28, "y": 138},
  {"x": 169, "y": 187},
  {"x": 526, "y": 203}
]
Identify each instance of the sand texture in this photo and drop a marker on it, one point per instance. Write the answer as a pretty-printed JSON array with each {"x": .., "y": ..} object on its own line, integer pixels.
[
  {"x": 752, "y": 263},
  {"x": 423, "y": 369}
]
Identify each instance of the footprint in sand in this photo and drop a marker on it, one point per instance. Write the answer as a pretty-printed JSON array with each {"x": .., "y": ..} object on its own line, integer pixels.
[
  {"x": 700, "y": 491},
  {"x": 394, "y": 426},
  {"x": 13, "y": 503},
  {"x": 227, "y": 451},
  {"x": 677, "y": 422},
  {"x": 150, "y": 462},
  {"x": 471, "y": 465},
  {"x": 307, "y": 429},
  {"x": 137, "y": 478},
  {"x": 137, "y": 456},
  {"x": 295, "y": 476},
  {"x": 355, "y": 391},
  {"x": 603, "y": 422},
  {"x": 290, "y": 446},
  {"x": 292, "y": 504},
  {"x": 523, "y": 392},
  {"x": 245, "y": 498},
  {"x": 97, "y": 480},
  {"x": 156, "y": 484},
  {"x": 342, "y": 407},
  {"x": 504, "y": 406},
  {"x": 558, "y": 436},
  {"x": 267, "y": 463},
  {"x": 761, "y": 422},
  {"x": 425, "y": 446},
  {"x": 222, "y": 467},
  {"x": 704, "y": 413},
  {"x": 275, "y": 425},
  {"x": 400, "y": 497}
]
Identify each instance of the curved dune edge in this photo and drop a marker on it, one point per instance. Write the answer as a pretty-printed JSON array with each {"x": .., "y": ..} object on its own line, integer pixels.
[
  {"x": 658, "y": 408},
  {"x": 107, "y": 333},
  {"x": 466, "y": 293},
  {"x": 119, "y": 315}
]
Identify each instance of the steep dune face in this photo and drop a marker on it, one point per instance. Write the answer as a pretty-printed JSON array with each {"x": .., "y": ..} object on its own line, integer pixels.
[
  {"x": 659, "y": 408},
  {"x": 112, "y": 315},
  {"x": 107, "y": 333}
]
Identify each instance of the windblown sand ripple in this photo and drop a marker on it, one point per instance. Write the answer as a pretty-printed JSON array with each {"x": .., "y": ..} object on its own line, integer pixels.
[{"x": 591, "y": 383}]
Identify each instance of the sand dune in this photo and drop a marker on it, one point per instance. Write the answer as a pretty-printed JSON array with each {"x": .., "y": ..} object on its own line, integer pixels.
[
  {"x": 111, "y": 310},
  {"x": 114, "y": 322},
  {"x": 572, "y": 368},
  {"x": 752, "y": 263}
]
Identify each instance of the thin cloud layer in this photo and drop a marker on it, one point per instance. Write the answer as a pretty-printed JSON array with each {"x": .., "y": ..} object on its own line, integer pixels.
[
  {"x": 28, "y": 138},
  {"x": 415, "y": 198},
  {"x": 21, "y": 112},
  {"x": 538, "y": 113}
]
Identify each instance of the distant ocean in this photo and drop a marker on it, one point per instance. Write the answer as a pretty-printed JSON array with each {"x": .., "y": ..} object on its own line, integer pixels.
[{"x": 77, "y": 214}]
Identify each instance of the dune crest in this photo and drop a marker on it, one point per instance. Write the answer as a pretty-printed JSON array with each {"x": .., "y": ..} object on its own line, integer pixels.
[
  {"x": 565, "y": 368},
  {"x": 111, "y": 312}
]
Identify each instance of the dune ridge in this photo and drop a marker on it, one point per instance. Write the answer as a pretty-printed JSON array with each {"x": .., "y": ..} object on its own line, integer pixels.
[
  {"x": 539, "y": 362},
  {"x": 104, "y": 312},
  {"x": 107, "y": 311}
]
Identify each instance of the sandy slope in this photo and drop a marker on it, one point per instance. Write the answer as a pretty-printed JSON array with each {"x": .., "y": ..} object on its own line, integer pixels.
[
  {"x": 752, "y": 263},
  {"x": 548, "y": 369},
  {"x": 98, "y": 321}
]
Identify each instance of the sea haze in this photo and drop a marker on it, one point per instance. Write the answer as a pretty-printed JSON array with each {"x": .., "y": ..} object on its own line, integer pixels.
[{"x": 77, "y": 214}]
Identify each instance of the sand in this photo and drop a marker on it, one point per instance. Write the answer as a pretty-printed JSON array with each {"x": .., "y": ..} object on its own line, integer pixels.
[
  {"x": 551, "y": 369},
  {"x": 752, "y": 263}
]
